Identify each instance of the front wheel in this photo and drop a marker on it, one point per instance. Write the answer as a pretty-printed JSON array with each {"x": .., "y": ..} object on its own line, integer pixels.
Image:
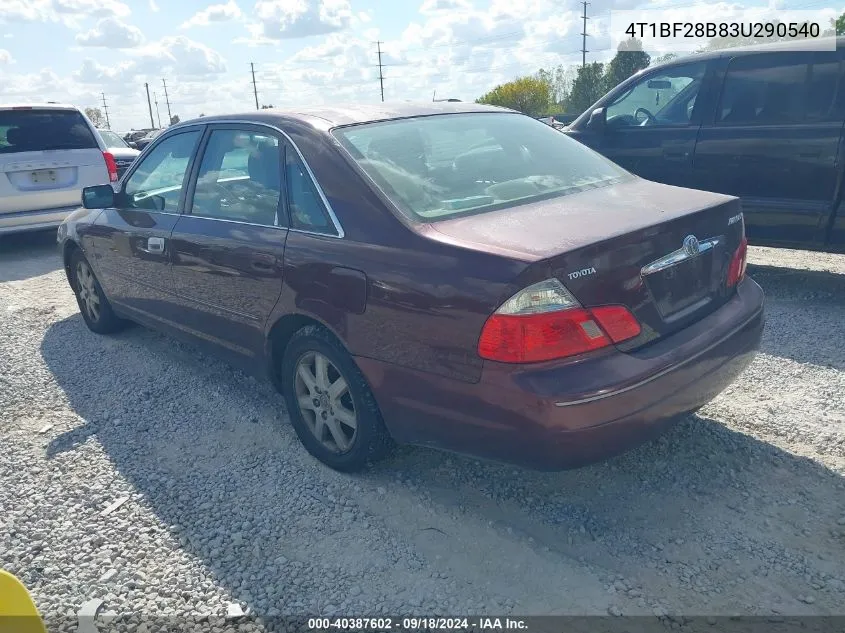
[
  {"x": 95, "y": 308},
  {"x": 330, "y": 404}
]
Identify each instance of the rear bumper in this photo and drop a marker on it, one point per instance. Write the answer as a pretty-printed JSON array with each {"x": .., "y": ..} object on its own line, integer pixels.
[
  {"x": 40, "y": 219},
  {"x": 564, "y": 415}
]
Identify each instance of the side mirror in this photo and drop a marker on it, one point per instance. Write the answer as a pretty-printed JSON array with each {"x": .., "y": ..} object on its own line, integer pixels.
[
  {"x": 133, "y": 144},
  {"x": 98, "y": 197},
  {"x": 598, "y": 120}
]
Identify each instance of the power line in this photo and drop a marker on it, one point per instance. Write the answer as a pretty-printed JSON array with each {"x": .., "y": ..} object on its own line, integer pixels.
[
  {"x": 254, "y": 87},
  {"x": 158, "y": 114},
  {"x": 380, "y": 71},
  {"x": 150, "y": 105},
  {"x": 584, "y": 37},
  {"x": 166, "y": 98},
  {"x": 106, "y": 110}
]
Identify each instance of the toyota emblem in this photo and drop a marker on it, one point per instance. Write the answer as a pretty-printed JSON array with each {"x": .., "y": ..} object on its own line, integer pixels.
[{"x": 691, "y": 246}]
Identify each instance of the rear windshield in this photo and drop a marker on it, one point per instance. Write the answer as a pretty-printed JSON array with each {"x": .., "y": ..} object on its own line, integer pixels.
[
  {"x": 442, "y": 166},
  {"x": 38, "y": 130},
  {"x": 111, "y": 139}
]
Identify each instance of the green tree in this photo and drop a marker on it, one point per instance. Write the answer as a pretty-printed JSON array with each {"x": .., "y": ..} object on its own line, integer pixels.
[
  {"x": 587, "y": 88},
  {"x": 96, "y": 116},
  {"x": 560, "y": 80},
  {"x": 630, "y": 58},
  {"x": 174, "y": 119},
  {"x": 267, "y": 107},
  {"x": 839, "y": 25},
  {"x": 529, "y": 95}
]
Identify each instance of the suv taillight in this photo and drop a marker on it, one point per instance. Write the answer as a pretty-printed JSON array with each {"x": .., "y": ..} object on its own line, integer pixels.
[
  {"x": 111, "y": 166},
  {"x": 736, "y": 271},
  {"x": 545, "y": 322}
]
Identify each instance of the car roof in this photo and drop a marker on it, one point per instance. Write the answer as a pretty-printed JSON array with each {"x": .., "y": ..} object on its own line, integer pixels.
[
  {"x": 43, "y": 105},
  {"x": 350, "y": 114},
  {"x": 772, "y": 47}
]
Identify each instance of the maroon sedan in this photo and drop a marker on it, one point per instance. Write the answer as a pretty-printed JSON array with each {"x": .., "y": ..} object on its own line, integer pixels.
[{"x": 450, "y": 275}]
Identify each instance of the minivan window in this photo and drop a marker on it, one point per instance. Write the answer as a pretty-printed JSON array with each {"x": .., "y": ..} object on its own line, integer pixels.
[
  {"x": 443, "y": 166},
  {"x": 764, "y": 90},
  {"x": 40, "y": 129},
  {"x": 666, "y": 97}
]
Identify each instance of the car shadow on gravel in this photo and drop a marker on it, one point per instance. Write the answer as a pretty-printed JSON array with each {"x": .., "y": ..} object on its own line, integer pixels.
[
  {"x": 210, "y": 452},
  {"x": 38, "y": 249},
  {"x": 799, "y": 304}
]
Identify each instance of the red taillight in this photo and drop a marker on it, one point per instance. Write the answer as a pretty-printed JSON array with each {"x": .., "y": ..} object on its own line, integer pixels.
[
  {"x": 736, "y": 271},
  {"x": 544, "y": 322},
  {"x": 111, "y": 166},
  {"x": 617, "y": 321}
]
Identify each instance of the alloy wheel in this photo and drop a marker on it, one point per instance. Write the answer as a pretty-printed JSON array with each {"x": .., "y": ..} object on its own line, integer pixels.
[
  {"x": 325, "y": 402},
  {"x": 87, "y": 290}
]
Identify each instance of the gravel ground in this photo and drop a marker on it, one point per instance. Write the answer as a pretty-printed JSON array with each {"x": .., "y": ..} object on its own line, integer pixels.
[{"x": 138, "y": 471}]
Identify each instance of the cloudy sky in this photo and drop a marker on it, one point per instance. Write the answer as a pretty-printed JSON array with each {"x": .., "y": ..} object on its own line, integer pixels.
[{"x": 304, "y": 51}]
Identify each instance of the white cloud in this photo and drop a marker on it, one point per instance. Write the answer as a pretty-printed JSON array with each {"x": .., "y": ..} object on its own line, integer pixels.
[
  {"x": 153, "y": 6},
  {"x": 111, "y": 33},
  {"x": 91, "y": 8},
  {"x": 5, "y": 56},
  {"x": 215, "y": 13},
  {"x": 434, "y": 6},
  {"x": 291, "y": 19},
  {"x": 24, "y": 10},
  {"x": 67, "y": 11},
  {"x": 179, "y": 55}
]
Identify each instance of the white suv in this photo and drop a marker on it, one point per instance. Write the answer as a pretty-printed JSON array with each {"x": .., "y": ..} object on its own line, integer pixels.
[{"x": 48, "y": 153}]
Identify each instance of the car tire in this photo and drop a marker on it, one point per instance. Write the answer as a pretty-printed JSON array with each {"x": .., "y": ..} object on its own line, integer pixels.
[
  {"x": 320, "y": 405},
  {"x": 100, "y": 319}
]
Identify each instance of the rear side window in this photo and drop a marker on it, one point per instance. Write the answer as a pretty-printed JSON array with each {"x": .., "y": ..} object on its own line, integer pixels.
[
  {"x": 38, "y": 130},
  {"x": 779, "y": 89}
]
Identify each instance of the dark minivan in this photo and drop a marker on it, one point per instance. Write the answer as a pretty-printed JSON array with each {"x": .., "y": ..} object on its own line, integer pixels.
[{"x": 764, "y": 123}]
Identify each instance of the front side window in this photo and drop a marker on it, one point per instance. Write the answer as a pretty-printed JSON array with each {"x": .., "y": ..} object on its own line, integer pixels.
[
  {"x": 443, "y": 166},
  {"x": 158, "y": 181},
  {"x": 240, "y": 178},
  {"x": 663, "y": 98},
  {"x": 764, "y": 90}
]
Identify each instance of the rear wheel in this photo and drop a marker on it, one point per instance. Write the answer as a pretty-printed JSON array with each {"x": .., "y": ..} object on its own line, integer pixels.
[
  {"x": 330, "y": 404},
  {"x": 95, "y": 308}
]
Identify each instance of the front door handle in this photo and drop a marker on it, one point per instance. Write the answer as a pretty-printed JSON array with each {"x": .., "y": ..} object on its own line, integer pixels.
[{"x": 155, "y": 246}]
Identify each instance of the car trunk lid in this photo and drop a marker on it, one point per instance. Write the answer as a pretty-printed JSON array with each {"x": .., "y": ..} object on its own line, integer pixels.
[{"x": 621, "y": 245}]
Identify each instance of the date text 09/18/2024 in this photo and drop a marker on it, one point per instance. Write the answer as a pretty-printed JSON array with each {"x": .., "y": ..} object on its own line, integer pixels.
[{"x": 416, "y": 624}]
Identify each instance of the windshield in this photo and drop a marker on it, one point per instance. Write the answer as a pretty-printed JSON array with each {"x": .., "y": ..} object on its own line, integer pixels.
[
  {"x": 111, "y": 139},
  {"x": 438, "y": 167},
  {"x": 40, "y": 129}
]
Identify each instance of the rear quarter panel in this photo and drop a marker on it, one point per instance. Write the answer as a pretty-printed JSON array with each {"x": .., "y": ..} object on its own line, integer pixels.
[{"x": 425, "y": 301}]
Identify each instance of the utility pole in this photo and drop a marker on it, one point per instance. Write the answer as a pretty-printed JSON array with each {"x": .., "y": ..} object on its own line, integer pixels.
[
  {"x": 167, "y": 100},
  {"x": 106, "y": 110},
  {"x": 254, "y": 87},
  {"x": 158, "y": 114},
  {"x": 150, "y": 105},
  {"x": 584, "y": 50},
  {"x": 380, "y": 73}
]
